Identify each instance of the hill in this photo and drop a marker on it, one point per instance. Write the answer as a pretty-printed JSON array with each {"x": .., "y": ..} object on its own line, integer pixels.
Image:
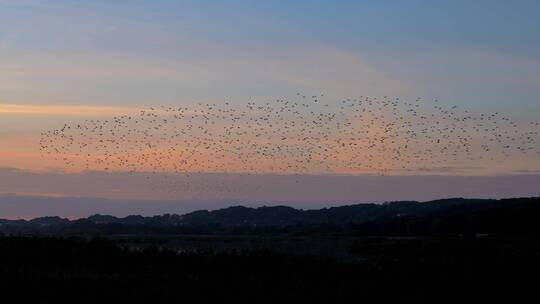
[{"x": 457, "y": 216}]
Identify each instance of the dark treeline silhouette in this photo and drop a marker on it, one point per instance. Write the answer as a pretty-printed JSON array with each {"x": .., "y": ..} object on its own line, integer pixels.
[
  {"x": 445, "y": 251},
  {"x": 450, "y": 217},
  {"x": 55, "y": 270}
]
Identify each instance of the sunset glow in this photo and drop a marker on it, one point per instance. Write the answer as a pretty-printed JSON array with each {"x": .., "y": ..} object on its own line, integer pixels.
[{"x": 159, "y": 92}]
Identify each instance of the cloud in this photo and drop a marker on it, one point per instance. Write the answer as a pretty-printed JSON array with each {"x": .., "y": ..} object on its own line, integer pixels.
[
  {"x": 524, "y": 171},
  {"x": 23, "y": 3},
  {"x": 124, "y": 194},
  {"x": 102, "y": 77},
  {"x": 77, "y": 110},
  {"x": 28, "y": 206}
]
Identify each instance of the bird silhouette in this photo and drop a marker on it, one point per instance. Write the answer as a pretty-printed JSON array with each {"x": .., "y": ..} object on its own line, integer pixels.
[{"x": 301, "y": 135}]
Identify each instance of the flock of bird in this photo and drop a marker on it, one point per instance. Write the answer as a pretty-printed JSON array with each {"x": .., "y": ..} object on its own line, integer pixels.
[{"x": 302, "y": 135}]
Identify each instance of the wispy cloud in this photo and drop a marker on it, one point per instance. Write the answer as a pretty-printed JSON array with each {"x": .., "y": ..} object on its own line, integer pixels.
[
  {"x": 24, "y": 3},
  {"x": 140, "y": 79},
  {"x": 310, "y": 190},
  {"x": 77, "y": 110}
]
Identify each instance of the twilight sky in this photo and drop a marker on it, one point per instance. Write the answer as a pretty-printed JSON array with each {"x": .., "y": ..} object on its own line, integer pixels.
[{"x": 66, "y": 61}]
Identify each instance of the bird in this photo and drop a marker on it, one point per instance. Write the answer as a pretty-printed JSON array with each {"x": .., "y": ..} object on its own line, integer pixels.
[{"x": 287, "y": 136}]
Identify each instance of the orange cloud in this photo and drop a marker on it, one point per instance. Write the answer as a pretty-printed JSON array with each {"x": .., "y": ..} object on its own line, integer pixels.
[{"x": 65, "y": 110}]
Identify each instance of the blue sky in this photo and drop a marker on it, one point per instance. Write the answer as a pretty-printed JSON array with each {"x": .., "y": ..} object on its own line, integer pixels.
[
  {"x": 477, "y": 53},
  {"x": 70, "y": 56}
]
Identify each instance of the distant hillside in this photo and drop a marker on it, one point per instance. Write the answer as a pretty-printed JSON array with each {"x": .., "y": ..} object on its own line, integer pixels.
[{"x": 441, "y": 217}]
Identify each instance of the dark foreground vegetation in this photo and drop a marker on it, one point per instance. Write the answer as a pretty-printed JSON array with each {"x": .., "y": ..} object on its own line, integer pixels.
[
  {"x": 419, "y": 270},
  {"x": 438, "y": 252}
]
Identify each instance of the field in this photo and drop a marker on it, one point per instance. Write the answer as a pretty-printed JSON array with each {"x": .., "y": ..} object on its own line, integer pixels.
[{"x": 251, "y": 269}]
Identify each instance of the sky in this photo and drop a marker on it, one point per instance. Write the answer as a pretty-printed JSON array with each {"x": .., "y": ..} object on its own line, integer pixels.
[{"x": 66, "y": 61}]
